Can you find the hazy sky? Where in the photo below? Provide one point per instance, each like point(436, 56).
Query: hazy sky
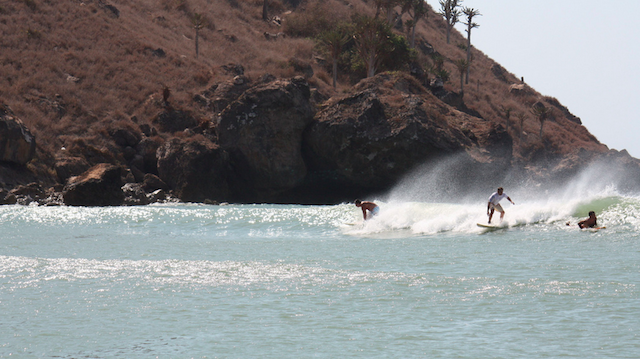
point(582, 52)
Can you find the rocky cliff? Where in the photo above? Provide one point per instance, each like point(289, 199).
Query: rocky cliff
point(125, 110)
point(271, 144)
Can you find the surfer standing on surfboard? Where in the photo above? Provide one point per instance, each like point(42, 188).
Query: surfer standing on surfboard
point(367, 206)
point(494, 203)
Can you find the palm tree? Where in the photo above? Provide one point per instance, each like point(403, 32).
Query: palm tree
point(417, 9)
point(437, 68)
point(470, 13)
point(372, 39)
point(462, 65)
point(333, 41)
point(541, 112)
point(379, 4)
point(388, 8)
point(449, 9)
point(198, 22)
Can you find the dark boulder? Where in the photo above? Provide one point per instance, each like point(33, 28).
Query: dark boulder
point(101, 185)
point(134, 194)
point(152, 182)
point(146, 150)
point(26, 194)
point(196, 170)
point(262, 132)
point(125, 137)
point(17, 144)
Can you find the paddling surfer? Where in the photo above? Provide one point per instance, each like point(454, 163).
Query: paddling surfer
point(367, 206)
point(590, 222)
point(494, 203)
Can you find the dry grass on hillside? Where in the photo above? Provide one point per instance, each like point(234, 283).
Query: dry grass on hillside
point(72, 69)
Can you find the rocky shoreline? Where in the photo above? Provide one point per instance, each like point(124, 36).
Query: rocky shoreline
point(277, 141)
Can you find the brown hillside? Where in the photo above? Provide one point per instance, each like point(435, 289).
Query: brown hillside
point(73, 70)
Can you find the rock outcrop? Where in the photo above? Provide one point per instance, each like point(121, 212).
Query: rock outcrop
point(196, 170)
point(101, 185)
point(17, 144)
point(271, 147)
point(219, 96)
point(28, 193)
point(520, 89)
point(368, 140)
point(262, 132)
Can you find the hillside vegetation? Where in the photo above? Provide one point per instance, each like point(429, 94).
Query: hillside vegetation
point(74, 71)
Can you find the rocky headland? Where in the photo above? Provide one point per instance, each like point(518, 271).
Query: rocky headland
point(272, 143)
point(262, 138)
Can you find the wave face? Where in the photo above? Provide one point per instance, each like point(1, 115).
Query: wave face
point(433, 200)
point(615, 212)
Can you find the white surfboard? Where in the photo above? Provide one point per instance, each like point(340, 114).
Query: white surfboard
point(490, 226)
point(594, 229)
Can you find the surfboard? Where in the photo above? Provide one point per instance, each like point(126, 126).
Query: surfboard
point(490, 226)
point(594, 229)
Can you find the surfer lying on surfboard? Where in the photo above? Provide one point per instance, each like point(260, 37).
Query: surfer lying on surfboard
point(591, 222)
point(494, 203)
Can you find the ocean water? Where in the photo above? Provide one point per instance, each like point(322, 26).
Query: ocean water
point(421, 280)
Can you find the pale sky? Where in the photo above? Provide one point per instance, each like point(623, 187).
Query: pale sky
point(582, 52)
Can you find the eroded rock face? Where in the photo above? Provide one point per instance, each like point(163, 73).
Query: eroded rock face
point(100, 185)
point(262, 132)
point(221, 95)
point(196, 170)
point(372, 138)
point(17, 144)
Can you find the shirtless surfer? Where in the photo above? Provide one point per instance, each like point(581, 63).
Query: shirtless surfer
point(367, 206)
point(590, 222)
point(494, 203)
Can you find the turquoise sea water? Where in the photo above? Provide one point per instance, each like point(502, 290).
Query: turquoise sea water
point(421, 280)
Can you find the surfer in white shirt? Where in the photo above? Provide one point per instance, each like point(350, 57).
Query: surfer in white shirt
point(494, 203)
